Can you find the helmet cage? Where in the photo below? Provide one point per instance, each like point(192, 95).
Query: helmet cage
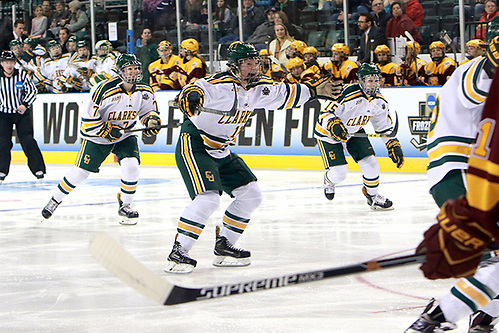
point(371, 90)
point(124, 61)
point(235, 70)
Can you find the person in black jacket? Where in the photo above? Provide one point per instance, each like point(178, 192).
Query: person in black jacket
point(372, 37)
point(17, 94)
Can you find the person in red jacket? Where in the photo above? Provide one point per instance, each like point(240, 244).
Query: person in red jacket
point(489, 13)
point(414, 10)
point(400, 23)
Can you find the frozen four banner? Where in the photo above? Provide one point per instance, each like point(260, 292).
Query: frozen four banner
point(269, 132)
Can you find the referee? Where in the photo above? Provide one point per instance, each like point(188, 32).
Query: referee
point(17, 94)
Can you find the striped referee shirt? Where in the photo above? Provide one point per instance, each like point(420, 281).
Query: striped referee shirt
point(16, 90)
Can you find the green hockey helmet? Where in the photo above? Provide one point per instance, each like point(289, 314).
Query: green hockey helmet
point(238, 52)
point(14, 43)
point(54, 49)
point(369, 76)
point(492, 29)
point(126, 60)
point(81, 44)
point(31, 42)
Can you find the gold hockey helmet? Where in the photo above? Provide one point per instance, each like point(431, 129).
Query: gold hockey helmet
point(190, 45)
point(382, 49)
point(295, 62)
point(340, 48)
point(298, 45)
point(311, 50)
point(478, 43)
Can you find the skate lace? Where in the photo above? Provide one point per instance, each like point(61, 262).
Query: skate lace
point(52, 205)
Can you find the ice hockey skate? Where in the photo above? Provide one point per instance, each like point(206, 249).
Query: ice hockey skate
point(2, 177)
point(178, 261)
point(39, 175)
point(377, 202)
point(49, 208)
point(329, 190)
point(427, 324)
point(481, 322)
point(227, 255)
point(128, 215)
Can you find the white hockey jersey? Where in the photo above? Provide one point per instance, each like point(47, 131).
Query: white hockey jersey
point(221, 90)
point(356, 110)
point(50, 71)
point(111, 103)
point(455, 118)
point(72, 70)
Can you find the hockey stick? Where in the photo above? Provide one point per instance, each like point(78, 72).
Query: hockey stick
point(392, 134)
point(127, 130)
point(110, 254)
point(408, 35)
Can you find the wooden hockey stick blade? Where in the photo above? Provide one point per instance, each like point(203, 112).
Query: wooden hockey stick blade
point(110, 254)
point(231, 112)
point(127, 130)
point(392, 134)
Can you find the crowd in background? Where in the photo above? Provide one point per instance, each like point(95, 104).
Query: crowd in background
point(54, 44)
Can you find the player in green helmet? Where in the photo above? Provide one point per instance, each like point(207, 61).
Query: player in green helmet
point(369, 76)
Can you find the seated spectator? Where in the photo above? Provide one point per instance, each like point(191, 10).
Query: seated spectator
point(340, 66)
point(371, 37)
point(166, 73)
point(381, 17)
point(282, 41)
point(192, 63)
point(297, 72)
point(387, 67)
point(60, 13)
point(407, 74)
point(78, 19)
point(355, 7)
point(192, 14)
point(39, 24)
point(438, 71)
point(295, 31)
point(474, 48)
point(292, 9)
point(47, 10)
point(471, 12)
point(264, 33)
point(253, 16)
point(64, 35)
point(489, 13)
point(400, 23)
point(414, 10)
point(165, 16)
point(146, 52)
point(222, 15)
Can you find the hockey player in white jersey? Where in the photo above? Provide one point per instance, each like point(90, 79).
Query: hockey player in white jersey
point(79, 70)
point(453, 129)
point(113, 105)
point(207, 164)
point(52, 67)
point(359, 104)
point(106, 59)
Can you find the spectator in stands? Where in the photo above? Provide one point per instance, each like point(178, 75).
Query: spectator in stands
point(253, 16)
point(60, 13)
point(39, 23)
point(387, 67)
point(47, 10)
point(165, 16)
point(381, 16)
point(489, 13)
point(400, 23)
point(193, 14)
point(414, 10)
point(64, 35)
point(264, 32)
point(438, 71)
point(294, 30)
point(405, 73)
point(340, 66)
point(371, 37)
point(469, 11)
point(282, 41)
point(222, 16)
point(146, 51)
point(291, 8)
point(355, 7)
point(166, 73)
point(474, 48)
point(78, 19)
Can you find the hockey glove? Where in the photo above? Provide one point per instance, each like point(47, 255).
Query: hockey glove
point(86, 72)
point(75, 82)
point(338, 130)
point(110, 132)
point(191, 98)
point(395, 152)
point(153, 123)
point(324, 88)
point(455, 245)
